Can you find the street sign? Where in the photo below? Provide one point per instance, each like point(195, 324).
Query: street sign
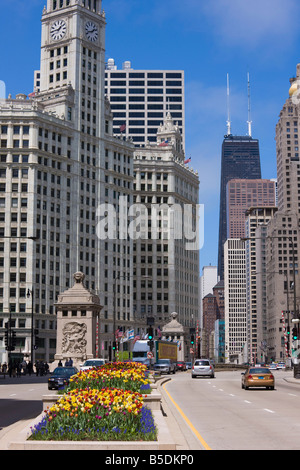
point(150, 355)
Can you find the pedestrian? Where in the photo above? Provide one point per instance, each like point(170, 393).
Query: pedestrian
point(29, 368)
point(24, 367)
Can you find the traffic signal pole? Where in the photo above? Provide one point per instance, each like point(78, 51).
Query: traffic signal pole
point(10, 338)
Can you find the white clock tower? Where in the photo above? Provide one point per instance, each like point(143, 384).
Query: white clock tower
point(59, 163)
point(73, 55)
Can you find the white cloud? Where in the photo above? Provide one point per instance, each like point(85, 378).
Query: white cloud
point(253, 22)
point(2, 90)
point(206, 110)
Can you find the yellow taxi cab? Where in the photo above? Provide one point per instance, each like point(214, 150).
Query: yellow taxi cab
point(258, 377)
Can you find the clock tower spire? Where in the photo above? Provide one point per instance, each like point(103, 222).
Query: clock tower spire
point(73, 55)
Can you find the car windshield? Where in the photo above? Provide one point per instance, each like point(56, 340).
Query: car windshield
point(64, 371)
point(202, 363)
point(163, 361)
point(93, 363)
point(259, 370)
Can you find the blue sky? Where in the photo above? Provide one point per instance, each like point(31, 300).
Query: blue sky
point(205, 38)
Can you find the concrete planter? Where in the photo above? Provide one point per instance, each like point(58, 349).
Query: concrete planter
point(152, 401)
point(164, 441)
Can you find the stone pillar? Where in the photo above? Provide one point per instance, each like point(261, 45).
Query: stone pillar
point(174, 331)
point(77, 311)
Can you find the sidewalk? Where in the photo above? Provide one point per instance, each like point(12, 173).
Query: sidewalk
point(14, 433)
point(292, 380)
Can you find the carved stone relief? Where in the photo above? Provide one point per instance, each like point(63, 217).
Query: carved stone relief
point(74, 341)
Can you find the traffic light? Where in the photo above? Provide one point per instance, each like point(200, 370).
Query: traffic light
point(7, 340)
point(114, 346)
point(192, 339)
point(13, 340)
point(295, 333)
point(150, 333)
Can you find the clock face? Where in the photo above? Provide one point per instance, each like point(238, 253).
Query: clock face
point(91, 31)
point(58, 30)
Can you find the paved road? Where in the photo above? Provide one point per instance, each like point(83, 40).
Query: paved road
point(219, 415)
point(20, 398)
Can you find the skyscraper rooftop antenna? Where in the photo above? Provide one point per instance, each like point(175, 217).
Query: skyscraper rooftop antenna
point(249, 109)
point(228, 107)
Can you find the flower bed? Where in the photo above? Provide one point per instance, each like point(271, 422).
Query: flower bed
point(123, 375)
point(91, 410)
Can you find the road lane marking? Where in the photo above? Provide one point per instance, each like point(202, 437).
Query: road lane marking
point(13, 395)
point(269, 411)
point(246, 401)
point(200, 438)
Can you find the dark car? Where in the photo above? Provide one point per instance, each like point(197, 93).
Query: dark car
point(61, 377)
point(181, 365)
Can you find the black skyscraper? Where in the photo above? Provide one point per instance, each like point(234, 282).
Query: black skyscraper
point(240, 159)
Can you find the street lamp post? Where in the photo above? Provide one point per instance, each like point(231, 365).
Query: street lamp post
point(117, 277)
point(30, 294)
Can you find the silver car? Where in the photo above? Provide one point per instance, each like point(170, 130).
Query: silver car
point(165, 366)
point(91, 363)
point(203, 368)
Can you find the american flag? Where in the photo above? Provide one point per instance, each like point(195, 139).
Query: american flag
point(136, 338)
point(187, 161)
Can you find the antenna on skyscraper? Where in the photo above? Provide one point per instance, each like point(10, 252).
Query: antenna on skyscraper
point(249, 109)
point(228, 107)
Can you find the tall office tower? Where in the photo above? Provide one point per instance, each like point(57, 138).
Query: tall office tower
point(257, 219)
point(235, 301)
point(213, 311)
point(59, 162)
point(243, 194)
point(140, 99)
point(283, 281)
point(240, 159)
point(166, 266)
point(208, 280)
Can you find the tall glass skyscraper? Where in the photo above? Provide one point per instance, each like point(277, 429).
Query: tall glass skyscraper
point(240, 159)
